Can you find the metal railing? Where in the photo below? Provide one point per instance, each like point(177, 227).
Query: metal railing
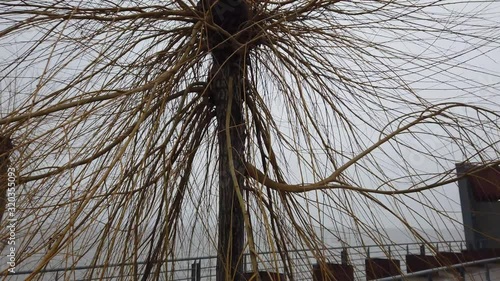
point(203, 268)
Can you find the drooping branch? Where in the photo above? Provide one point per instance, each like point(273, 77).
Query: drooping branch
point(196, 88)
point(333, 182)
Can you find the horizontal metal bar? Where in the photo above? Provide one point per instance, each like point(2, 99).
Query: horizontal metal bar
point(437, 269)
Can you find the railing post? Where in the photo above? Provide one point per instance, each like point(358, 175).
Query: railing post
point(344, 256)
point(422, 250)
point(487, 276)
point(198, 271)
point(195, 271)
point(461, 271)
point(245, 263)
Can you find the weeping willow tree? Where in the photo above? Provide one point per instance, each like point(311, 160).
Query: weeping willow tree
point(145, 131)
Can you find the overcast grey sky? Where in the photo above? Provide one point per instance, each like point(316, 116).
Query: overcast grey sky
point(430, 66)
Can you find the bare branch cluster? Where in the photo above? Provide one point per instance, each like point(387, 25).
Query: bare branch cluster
point(355, 111)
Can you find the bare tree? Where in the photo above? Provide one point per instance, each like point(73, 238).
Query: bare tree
point(131, 118)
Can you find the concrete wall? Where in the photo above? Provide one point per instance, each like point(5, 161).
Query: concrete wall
point(479, 198)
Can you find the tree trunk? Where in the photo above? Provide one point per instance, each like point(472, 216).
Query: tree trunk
point(227, 85)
